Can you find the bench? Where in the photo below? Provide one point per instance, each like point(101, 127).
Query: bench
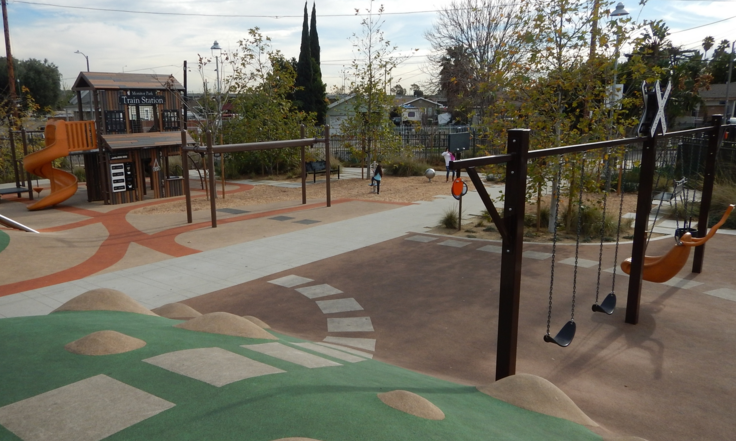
point(676, 192)
point(318, 167)
point(18, 190)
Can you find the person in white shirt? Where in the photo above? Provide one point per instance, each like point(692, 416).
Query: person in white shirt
point(448, 157)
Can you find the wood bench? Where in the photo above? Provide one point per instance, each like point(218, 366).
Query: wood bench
point(318, 167)
point(17, 190)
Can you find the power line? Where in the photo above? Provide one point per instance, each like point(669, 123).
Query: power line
point(702, 26)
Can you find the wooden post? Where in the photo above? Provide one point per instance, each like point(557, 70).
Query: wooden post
point(714, 143)
point(25, 153)
point(460, 213)
point(303, 168)
point(211, 167)
point(327, 159)
point(512, 248)
point(222, 169)
point(185, 175)
point(641, 225)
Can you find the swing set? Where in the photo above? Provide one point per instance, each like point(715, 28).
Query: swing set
point(639, 268)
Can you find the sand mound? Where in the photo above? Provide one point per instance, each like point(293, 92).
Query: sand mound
point(412, 404)
point(226, 323)
point(177, 311)
point(104, 299)
point(258, 322)
point(539, 395)
point(104, 343)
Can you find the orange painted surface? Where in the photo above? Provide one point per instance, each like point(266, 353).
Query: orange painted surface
point(58, 144)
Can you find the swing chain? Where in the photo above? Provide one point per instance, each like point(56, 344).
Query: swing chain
point(618, 229)
point(603, 222)
point(577, 236)
point(554, 242)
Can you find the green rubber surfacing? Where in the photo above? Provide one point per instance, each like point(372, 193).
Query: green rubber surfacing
point(4, 240)
point(334, 403)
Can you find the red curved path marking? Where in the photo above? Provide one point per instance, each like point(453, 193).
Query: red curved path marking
point(122, 234)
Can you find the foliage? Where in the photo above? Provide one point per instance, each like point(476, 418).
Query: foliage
point(260, 84)
point(449, 219)
point(304, 70)
point(80, 173)
point(719, 64)
point(318, 87)
point(41, 78)
point(590, 224)
point(405, 166)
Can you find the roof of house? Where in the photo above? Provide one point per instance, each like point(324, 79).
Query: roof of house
point(434, 103)
point(719, 91)
point(126, 81)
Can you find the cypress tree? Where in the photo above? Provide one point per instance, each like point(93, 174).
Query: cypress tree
point(318, 87)
point(303, 96)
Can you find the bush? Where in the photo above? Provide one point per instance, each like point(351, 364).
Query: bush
point(80, 174)
point(405, 167)
point(590, 227)
point(724, 194)
point(449, 219)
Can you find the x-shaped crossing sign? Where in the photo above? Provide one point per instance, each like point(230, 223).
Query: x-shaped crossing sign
point(654, 102)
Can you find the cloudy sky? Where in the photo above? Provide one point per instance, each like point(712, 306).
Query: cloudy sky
point(157, 35)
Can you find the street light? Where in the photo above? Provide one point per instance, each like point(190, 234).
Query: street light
point(216, 50)
point(620, 11)
point(726, 112)
point(86, 57)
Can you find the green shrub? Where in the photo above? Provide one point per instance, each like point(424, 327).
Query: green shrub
point(402, 166)
point(80, 174)
point(449, 219)
point(591, 219)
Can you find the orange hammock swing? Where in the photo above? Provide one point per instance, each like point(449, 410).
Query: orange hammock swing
point(660, 269)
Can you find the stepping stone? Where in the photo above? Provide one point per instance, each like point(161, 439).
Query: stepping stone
point(491, 249)
point(583, 263)
point(232, 211)
point(682, 283)
point(724, 293)
point(290, 281)
point(349, 324)
point(214, 366)
point(317, 291)
point(346, 349)
point(334, 353)
point(369, 344)
point(307, 222)
point(281, 218)
point(422, 239)
point(287, 353)
point(338, 305)
point(537, 255)
point(454, 243)
point(619, 271)
point(88, 410)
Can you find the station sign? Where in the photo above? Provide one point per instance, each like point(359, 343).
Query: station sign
point(140, 97)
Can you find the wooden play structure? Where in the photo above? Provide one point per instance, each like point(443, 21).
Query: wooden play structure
point(127, 146)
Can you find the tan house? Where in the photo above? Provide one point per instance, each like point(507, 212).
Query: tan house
point(715, 100)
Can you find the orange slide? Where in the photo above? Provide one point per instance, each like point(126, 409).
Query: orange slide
point(61, 138)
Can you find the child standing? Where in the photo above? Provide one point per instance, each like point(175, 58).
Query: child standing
point(377, 177)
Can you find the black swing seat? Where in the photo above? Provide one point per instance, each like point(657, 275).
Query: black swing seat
point(564, 337)
point(608, 305)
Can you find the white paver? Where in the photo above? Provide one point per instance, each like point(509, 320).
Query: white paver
point(536, 255)
point(290, 281)
point(491, 249)
point(454, 243)
point(334, 353)
point(583, 263)
point(88, 410)
point(368, 344)
point(349, 324)
point(214, 366)
point(292, 355)
point(421, 238)
point(724, 293)
point(317, 291)
point(338, 305)
point(682, 283)
point(346, 349)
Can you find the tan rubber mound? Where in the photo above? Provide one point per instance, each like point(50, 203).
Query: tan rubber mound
point(104, 343)
point(539, 395)
point(227, 324)
point(176, 311)
point(412, 404)
point(258, 322)
point(104, 299)
point(296, 439)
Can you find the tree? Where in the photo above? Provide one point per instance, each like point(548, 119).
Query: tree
point(304, 70)
point(475, 43)
point(720, 62)
point(398, 90)
point(318, 87)
point(708, 43)
point(41, 78)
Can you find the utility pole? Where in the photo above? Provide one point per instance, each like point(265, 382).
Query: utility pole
point(726, 113)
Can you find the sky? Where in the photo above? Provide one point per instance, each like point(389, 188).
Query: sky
point(151, 37)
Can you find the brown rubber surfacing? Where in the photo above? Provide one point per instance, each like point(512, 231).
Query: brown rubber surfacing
point(434, 310)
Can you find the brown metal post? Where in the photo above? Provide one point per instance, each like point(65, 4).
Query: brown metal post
point(327, 158)
point(512, 248)
point(641, 225)
point(13, 156)
point(25, 153)
point(185, 175)
point(303, 168)
point(213, 189)
point(104, 173)
point(714, 143)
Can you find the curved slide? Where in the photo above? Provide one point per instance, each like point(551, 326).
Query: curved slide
point(63, 184)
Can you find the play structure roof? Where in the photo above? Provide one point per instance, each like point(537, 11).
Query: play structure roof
point(126, 81)
point(144, 140)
